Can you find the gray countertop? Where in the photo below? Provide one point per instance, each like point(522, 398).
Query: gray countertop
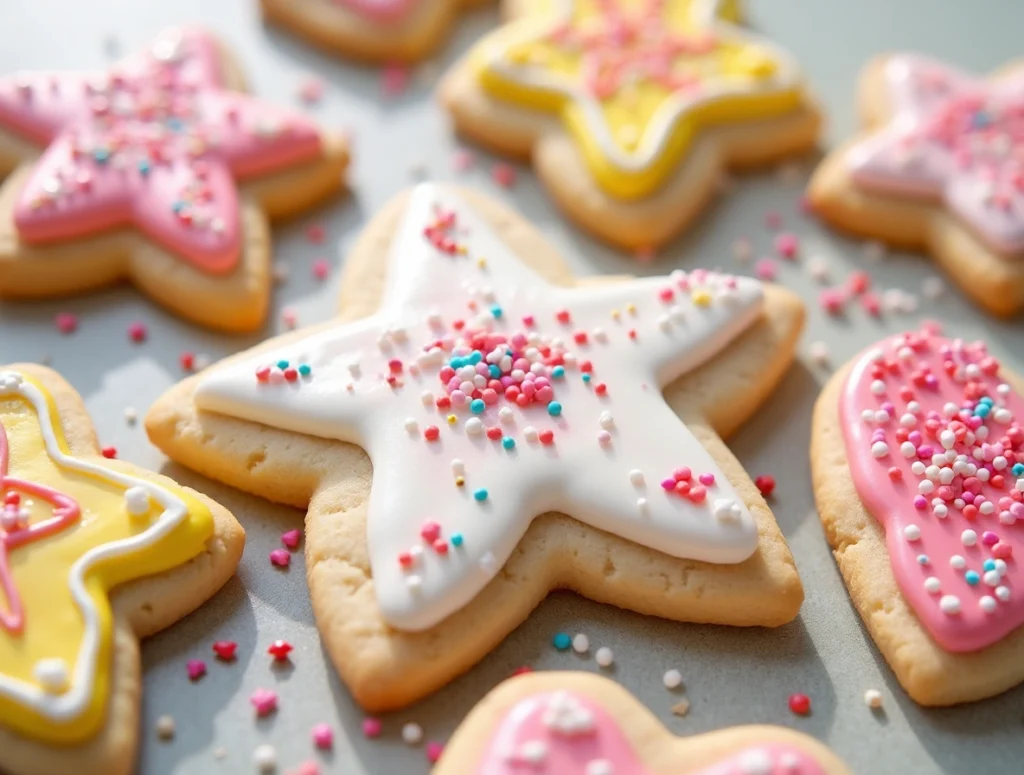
point(731, 676)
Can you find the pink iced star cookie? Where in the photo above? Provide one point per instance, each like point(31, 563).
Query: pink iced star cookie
point(402, 31)
point(157, 170)
point(940, 168)
point(526, 432)
point(918, 461)
point(582, 724)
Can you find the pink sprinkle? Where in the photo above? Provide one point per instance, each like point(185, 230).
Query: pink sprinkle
point(504, 175)
point(463, 159)
point(869, 301)
point(372, 727)
point(316, 234)
point(832, 300)
point(1002, 551)
point(196, 669)
point(434, 750)
point(308, 767)
point(920, 502)
point(264, 701)
point(321, 269)
point(668, 484)
point(291, 538)
point(67, 323)
point(787, 245)
point(707, 479)
point(290, 318)
point(394, 79)
point(281, 558)
point(137, 332)
point(989, 538)
point(766, 269)
point(323, 736)
point(311, 90)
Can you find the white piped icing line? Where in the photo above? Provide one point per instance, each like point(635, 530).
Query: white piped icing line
point(454, 489)
point(63, 695)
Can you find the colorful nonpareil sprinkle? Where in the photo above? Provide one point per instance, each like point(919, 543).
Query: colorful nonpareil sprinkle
point(800, 704)
point(291, 538)
point(372, 727)
point(67, 322)
point(225, 649)
point(323, 736)
point(264, 701)
point(280, 558)
point(280, 649)
point(196, 669)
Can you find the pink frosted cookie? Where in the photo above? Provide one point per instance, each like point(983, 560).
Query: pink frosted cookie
point(918, 459)
point(582, 724)
point(940, 167)
point(402, 31)
point(527, 431)
point(158, 170)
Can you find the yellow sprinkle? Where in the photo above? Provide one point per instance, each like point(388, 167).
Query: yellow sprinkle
point(756, 62)
point(452, 419)
point(520, 55)
point(629, 136)
point(616, 314)
point(459, 481)
point(701, 298)
point(481, 263)
point(460, 249)
point(631, 309)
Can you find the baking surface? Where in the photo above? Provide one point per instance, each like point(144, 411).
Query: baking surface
point(731, 676)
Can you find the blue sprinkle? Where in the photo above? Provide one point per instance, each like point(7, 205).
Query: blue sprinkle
point(508, 442)
point(101, 155)
point(586, 376)
point(282, 365)
point(457, 363)
point(178, 206)
point(922, 559)
point(980, 120)
point(475, 357)
point(989, 565)
point(305, 369)
point(480, 495)
point(497, 311)
point(562, 641)
point(144, 167)
point(554, 409)
point(494, 370)
point(456, 539)
point(982, 410)
point(558, 372)
point(1018, 469)
point(972, 577)
point(476, 406)
point(986, 400)
point(175, 124)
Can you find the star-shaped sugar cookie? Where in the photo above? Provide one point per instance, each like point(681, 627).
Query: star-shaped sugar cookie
point(582, 724)
point(941, 168)
point(385, 31)
point(630, 110)
point(73, 527)
point(493, 400)
point(159, 170)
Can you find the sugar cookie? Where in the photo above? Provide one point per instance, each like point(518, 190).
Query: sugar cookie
point(130, 173)
point(918, 462)
point(631, 109)
point(73, 526)
point(582, 724)
point(938, 169)
point(494, 396)
point(374, 30)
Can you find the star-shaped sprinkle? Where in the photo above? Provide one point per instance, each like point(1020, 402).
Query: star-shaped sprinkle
point(486, 397)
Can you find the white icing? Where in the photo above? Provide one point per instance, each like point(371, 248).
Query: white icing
point(413, 480)
point(657, 133)
point(66, 705)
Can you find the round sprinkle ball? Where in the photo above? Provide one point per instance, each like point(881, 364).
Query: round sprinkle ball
point(562, 641)
point(604, 657)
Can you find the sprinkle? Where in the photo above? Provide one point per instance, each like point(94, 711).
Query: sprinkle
point(554, 408)
point(311, 90)
point(67, 323)
point(818, 351)
point(912, 533)
point(787, 245)
point(279, 650)
point(480, 495)
point(949, 604)
point(800, 704)
point(372, 727)
point(280, 558)
point(681, 708)
point(196, 669)
point(742, 249)
point(636, 477)
point(873, 699)
point(321, 268)
point(265, 758)
point(225, 649)
point(264, 701)
point(766, 484)
point(580, 643)
point(165, 727)
point(412, 733)
point(291, 538)
point(109, 452)
point(433, 751)
point(562, 641)
point(766, 269)
point(323, 736)
point(504, 175)
point(604, 657)
point(672, 679)
point(316, 234)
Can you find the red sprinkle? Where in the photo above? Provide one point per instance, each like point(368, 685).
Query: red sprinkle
point(494, 434)
point(800, 704)
point(188, 361)
point(431, 433)
point(766, 484)
point(504, 175)
point(291, 538)
point(279, 650)
point(522, 670)
point(225, 649)
point(109, 452)
point(547, 437)
point(67, 323)
point(280, 558)
point(137, 332)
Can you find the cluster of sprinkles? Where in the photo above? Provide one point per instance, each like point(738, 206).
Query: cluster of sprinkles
point(966, 457)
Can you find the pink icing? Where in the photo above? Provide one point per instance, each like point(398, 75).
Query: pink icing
point(624, 46)
point(383, 11)
point(952, 137)
point(903, 403)
point(155, 141)
point(563, 733)
point(15, 530)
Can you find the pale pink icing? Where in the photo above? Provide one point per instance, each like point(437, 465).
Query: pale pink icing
point(564, 733)
point(383, 11)
point(15, 530)
point(952, 137)
point(936, 372)
point(155, 141)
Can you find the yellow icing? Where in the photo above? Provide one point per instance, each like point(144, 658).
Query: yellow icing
point(54, 627)
point(628, 114)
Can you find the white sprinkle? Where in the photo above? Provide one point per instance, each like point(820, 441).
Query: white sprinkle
point(912, 533)
point(932, 287)
point(957, 562)
point(52, 674)
point(969, 538)
point(505, 415)
point(580, 643)
point(411, 425)
point(474, 426)
point(818, 352)
point(605, 420)
point(908, 449)
point(530, 433)
point(414, 582)
point(873, 698)
point(604, 656)
point(265, 758)
point(992, 578)
point(1003, 593)
point(641, 504)
point(949, 604)
point(878, 387)
point(988, 604)
point(412, 733)
point(672, 679)
point(636, 477)
point(664, 323)
point(879, 449)
point(488, 562)
point(165, 727)
point(131, 415)
point(458, 467)
point(532, 751)
point(818, 269)
point(755, 762)
point(599, 767)
point(932, 585)
point(136, 501)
